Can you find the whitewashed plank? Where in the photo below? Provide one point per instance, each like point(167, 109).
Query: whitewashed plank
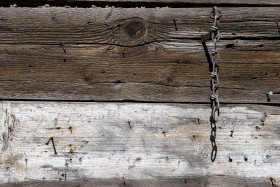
point(124, 142)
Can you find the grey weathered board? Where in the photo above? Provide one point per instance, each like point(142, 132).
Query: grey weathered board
point(144, 2)
point(139, 54)
point(137, 144)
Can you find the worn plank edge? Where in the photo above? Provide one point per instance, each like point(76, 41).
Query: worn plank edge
point(184, 182)
point(138, 3)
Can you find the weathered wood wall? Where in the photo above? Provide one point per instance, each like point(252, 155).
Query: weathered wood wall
point(130, 142)
point(149, 3)
point(142, 77)
point(136, 54)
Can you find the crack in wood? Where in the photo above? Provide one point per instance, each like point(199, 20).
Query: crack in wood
point(278, 26)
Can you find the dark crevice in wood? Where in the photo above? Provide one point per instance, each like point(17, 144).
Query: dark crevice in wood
point(158, 41)
point(277, 24)
point(140, 101)
point(252, 38)
point(125, 4)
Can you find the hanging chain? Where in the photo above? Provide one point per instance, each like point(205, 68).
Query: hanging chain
point(215, 105)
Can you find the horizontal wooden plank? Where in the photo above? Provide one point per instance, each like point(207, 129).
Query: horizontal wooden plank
point(140, 54)
point(193, 181)
point(130, 26)
point(137, 142)
point(173, 71)
point(132, 3)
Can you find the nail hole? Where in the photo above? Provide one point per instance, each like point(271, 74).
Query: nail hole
point(268, 99)
point(229, 159)
point(229, 45)
point(231, 134)
point(70, 128)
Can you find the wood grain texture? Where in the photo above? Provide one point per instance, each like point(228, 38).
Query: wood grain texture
point(131, 26)
point(215, 2)
point(136, 3)
point(114, 54)
point(204, 181)
point(126, 143)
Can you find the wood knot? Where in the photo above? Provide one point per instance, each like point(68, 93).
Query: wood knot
point(135, 29)
point(132, 32)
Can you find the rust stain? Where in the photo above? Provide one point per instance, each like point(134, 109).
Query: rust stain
point(13, 161)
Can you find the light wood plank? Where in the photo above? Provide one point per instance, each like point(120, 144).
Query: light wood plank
point(137, 142)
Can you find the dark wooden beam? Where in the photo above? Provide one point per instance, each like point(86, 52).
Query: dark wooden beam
point(136, 54)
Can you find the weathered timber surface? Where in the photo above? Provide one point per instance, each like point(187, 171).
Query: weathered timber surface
point(131, 26)
point(121, 144)
point(144, 2)
point(203, 181)
point(137, 54)
point(215, 2)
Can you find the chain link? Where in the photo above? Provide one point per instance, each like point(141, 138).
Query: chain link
point(215, 60)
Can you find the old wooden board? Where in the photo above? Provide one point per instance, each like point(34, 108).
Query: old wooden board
point(132, 26)
point(140, 54)
point(212, 181)
point(126, 143)
point(147, 3)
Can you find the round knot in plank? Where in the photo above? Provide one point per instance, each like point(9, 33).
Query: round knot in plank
point(135, 29)
point(132, 32)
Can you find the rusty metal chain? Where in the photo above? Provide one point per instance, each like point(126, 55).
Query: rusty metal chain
point(215, 60)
